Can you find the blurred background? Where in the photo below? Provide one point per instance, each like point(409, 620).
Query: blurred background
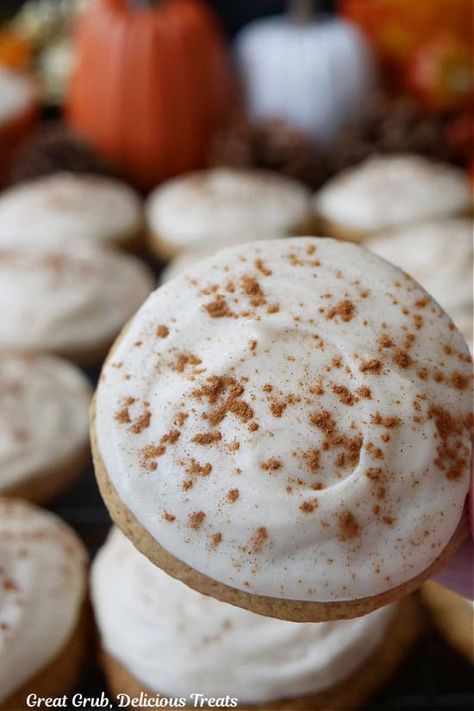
point(233, 13)
point(354, 77)
point(303, 88)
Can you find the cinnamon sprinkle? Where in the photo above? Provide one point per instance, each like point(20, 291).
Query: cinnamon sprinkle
point(206, 438)
point(402, 358)
point(141, 423)
point(195, 520)
point(185, 359)
point(218, 308)
point(309, 506)
point(371, 366)
point(344, 394)
point(277, 408)
point(216, 538)
point(459, 381)
point(262, 268)
point(385, 341)
point(272, 464)
point(348, 525)
point(377, 419)
point(345, 310)
point(196, 469)
point(123, 416)
point(258, 539)
point(233, 495)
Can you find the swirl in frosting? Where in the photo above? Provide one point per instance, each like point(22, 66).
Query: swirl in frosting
point(291, 418)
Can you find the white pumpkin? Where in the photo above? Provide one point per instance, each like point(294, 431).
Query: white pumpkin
point(316, 72)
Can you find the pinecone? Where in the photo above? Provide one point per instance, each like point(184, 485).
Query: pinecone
point(51, 148)
point(272, 145)
point(393, 126)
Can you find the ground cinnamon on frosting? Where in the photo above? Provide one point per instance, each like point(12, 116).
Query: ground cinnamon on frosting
point(345, 310)
point(294, 433)
point(348, 525)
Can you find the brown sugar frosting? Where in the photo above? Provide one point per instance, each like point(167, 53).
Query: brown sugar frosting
point(291, 418)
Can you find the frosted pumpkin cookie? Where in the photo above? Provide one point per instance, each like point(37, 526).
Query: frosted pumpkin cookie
point(160, 637)
point(388, 192)
point(44, 440)
point(285, 426)
point(440, 256)
point(70, 209)
point(223, 207)
point(453, 615)
point(43, 625)
point(69, 302)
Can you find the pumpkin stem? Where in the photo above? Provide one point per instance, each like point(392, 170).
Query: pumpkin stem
point(301, 11)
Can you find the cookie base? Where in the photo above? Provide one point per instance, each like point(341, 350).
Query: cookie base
point(44, 485)
point(280, 608)
point(332, 229)
point(62, 674)
point(131, 241)
point(452, 615)
point(348, 694)
point(327, 228)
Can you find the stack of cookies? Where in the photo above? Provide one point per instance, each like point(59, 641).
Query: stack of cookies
point(65, 293)
point(280, 432)
point(284, 430)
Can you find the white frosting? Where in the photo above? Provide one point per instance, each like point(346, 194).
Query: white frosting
point(177, 642)
point(68, 209)
point(61, 301)
point(324, 393)
point(42, 587)
point(17, 94)
point(390, 191)
point(223, 207)
point(43, 416)
point(440, 256)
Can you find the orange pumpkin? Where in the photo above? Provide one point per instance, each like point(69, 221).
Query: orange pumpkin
point(151, 86)
point(15, 51)
point(441, 74)
point(399, 28)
